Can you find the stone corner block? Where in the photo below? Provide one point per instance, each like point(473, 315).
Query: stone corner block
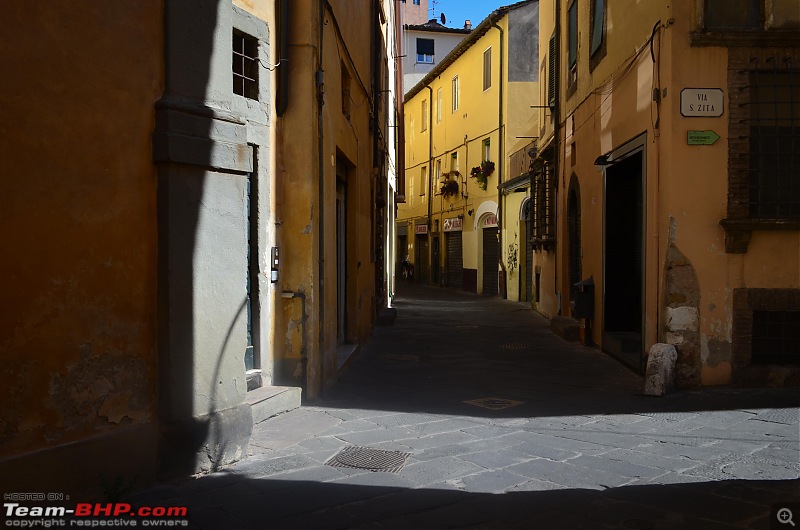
point(660, 375)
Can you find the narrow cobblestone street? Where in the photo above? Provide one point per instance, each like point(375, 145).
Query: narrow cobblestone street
point(577, 445)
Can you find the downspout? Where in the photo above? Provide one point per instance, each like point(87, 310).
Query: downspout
point(556, 147)
point(430, 176)
point(283, 75)
point(320, 82)
point(502, 158)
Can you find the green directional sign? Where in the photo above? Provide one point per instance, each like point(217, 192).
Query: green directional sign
point(701, 137)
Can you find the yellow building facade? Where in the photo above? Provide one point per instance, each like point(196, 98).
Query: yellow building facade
point(461, 122)
point(670, 178)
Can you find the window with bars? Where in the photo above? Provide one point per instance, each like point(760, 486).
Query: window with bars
point(774, 144)
point(543, 236)
point(776, 337)
point(245, 65)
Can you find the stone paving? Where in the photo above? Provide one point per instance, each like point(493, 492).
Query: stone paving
point(580, 447)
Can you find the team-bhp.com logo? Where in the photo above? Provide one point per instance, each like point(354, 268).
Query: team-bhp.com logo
point(93, 515)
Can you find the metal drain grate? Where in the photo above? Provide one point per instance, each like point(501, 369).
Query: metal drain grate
point(401, 357)
point(514, 346)
point(494, 403)
point(369, 459)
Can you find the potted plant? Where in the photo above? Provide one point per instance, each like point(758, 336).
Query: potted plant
point(481, 173)
point(449, 185)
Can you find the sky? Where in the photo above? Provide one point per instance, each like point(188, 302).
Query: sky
point(457, 11)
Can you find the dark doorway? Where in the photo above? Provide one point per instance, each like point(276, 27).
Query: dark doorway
point(455, 260)
point(574, 238)
point(527, 233)
point(491, 256)
point(421, 260)
point(624, 261)
point(435, 260)
point(341, 252)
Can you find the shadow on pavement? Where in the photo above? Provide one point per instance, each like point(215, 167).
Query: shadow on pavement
point(229, 501)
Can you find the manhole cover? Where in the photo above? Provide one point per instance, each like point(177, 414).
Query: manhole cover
point(401, 357)
point(369, 459)
point(494, 403)
point(514, 346)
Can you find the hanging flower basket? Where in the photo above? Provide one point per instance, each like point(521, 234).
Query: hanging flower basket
point(449, 188)
point(481, 173)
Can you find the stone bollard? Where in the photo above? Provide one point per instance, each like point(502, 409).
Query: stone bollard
point(660, 376)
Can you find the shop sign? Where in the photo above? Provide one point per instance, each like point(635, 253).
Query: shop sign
point(453, 224)
point(489, 221)
point(421, 229)
point(701, 102)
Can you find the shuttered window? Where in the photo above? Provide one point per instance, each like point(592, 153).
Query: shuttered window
point(487, 69)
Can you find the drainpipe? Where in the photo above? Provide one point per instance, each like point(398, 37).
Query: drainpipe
point(320, 81)
point(502, 156)
point(283, 74)
point(430, 177)
point(303, 344)
point(556, 146)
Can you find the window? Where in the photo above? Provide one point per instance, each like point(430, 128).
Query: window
point(438, 169)
point(346, 81)
point(424, 114)
point(552, 66)
point(597, 33)
point(423, 184)
point(487, 149)
point(455, 93)
point(416, 2)
point(572, 34)
point(425, 51)
point(732, 14)
point(439, 105)
point(544, 208)
point(753, 22)
point(245, 65)
point(454, 161)
point(763, 144)
point(487, 69)
point(776, 337)
point(775, 144)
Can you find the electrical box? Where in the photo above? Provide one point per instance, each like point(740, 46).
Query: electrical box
point(275, 263)
point(582, 304)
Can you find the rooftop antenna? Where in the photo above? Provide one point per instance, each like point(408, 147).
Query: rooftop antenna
point(433, 8)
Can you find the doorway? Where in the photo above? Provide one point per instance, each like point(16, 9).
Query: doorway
point(435, 260)
point(455, 260)
point(421, 260)
point(491, 257)
point(623, 293)
point(341, 258)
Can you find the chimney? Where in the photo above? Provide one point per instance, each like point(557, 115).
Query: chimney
point(467, 24)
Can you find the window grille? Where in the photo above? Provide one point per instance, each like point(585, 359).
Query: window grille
point(245, 65)
point(774, 166)
point(544, 209)
point(776, 337)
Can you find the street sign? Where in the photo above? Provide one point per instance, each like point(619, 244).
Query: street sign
point(701, 102)
point(701, 137)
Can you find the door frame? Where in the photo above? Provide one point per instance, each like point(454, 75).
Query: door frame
point(627, 150)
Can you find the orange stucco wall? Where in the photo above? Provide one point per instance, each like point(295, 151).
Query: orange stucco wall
point(78, 221)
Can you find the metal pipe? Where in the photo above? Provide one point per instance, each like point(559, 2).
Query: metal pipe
point(321, 193)
point(283, 74)
point(502, 159)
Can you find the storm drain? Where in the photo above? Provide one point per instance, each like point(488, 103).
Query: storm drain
point(369, 459)
point(514, 346)
point(401, 357)
point(494, 403)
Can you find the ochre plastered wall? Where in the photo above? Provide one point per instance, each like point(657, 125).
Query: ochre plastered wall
point(78, 229)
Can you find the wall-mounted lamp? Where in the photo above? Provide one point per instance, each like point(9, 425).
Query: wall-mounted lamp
point(601, 161)
point(470, 212)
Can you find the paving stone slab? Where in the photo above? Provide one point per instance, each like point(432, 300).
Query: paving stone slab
point(496, 459)
point(436, 440)
point(568, 475)
point(495, 481)
point(255, 467)
point(440, 469)
point(611, 463)
point(542, 451)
